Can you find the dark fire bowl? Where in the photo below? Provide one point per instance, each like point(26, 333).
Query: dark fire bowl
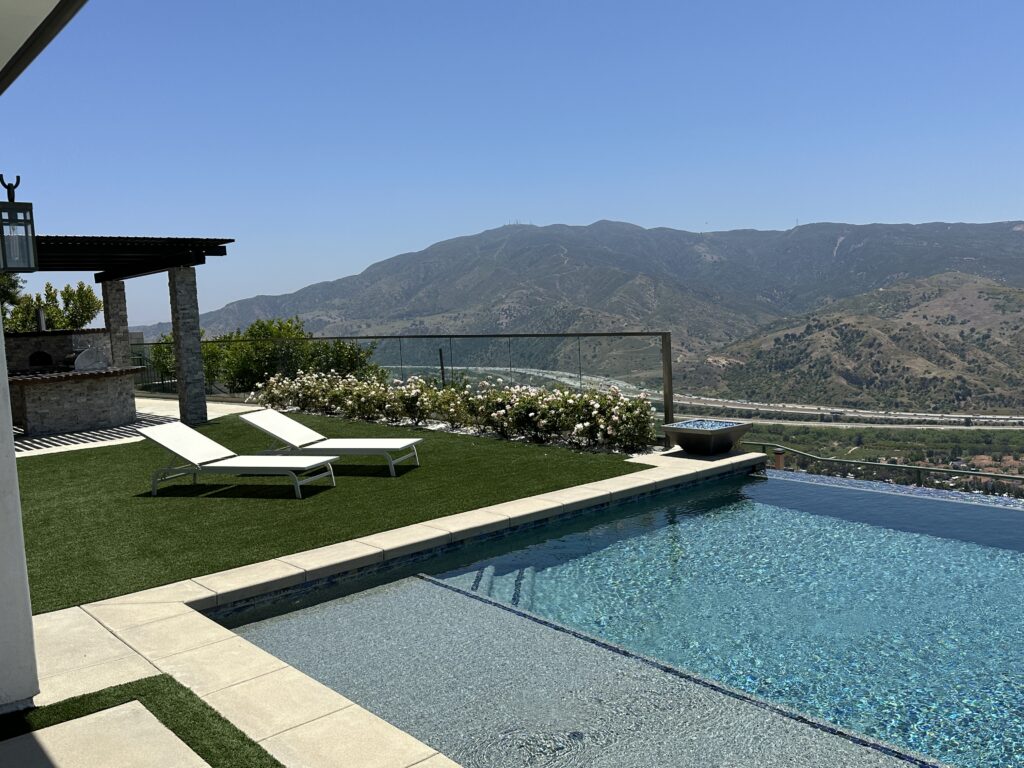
point(705, 437)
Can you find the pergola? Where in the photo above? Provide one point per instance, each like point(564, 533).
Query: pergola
point(116, 259)
point(113, 259)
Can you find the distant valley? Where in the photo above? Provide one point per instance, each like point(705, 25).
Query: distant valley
point(891, 316)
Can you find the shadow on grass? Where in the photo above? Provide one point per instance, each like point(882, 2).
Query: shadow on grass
point(370, 470)
point(277, 491)
point(231, 491)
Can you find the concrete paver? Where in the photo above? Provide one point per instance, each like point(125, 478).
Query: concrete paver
point(127, 736)
point(624, 486)
point(467, 524)
point(212, 667)
point(174, 635)
point(275, 702)
point(250, 580)
point(350, 737)
point(406, 540)
point(437, 761)
point(334, 558)
point(71, 639)
point(520, 511)
point(580, 497)
point(116, 616)
point(76, 682)
point(187, 591)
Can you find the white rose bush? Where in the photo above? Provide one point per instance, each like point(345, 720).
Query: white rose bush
point(582, 419)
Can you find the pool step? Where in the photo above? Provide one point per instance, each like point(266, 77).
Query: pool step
point(522, 592)
point(484, 581)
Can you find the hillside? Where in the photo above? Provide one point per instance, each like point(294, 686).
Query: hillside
point(812, 294)
point(946, 341)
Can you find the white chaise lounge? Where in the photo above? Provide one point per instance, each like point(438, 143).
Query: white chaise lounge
point(301, 440)
point(205, 456)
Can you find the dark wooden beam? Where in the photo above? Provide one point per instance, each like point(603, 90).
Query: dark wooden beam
point(117, 258)
point(151, 267)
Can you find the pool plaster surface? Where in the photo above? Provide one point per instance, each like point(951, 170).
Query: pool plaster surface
point(490, 687)
point(124, 638)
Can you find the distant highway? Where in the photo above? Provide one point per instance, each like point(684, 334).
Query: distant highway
point(908, 419)
point(839, 412)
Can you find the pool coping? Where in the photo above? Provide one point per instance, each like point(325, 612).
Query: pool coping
point(296, 719)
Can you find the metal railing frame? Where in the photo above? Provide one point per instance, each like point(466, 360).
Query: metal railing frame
point(665, 337)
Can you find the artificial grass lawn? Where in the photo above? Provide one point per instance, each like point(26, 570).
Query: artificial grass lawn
point(93, 531)
point(208, 734)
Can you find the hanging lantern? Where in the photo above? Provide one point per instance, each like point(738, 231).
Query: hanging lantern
point(17, 233)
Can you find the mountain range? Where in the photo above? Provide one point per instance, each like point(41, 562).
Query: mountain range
point(889, 315)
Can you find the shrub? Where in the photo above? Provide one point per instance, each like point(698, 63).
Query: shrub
point(449, 404)
point(582, 419)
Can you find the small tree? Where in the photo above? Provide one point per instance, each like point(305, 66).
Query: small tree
point(79, 306)
point(10, 291)
point(161, 355)
point(270, 346)
point(73, 308)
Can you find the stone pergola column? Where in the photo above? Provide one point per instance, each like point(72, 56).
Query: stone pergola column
point(115, 316)
point(188, 353)
point(19, 678)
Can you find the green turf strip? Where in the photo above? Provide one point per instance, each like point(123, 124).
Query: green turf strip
point(93, 531)
point(208, 734)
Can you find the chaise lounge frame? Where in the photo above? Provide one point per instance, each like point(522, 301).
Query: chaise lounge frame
point(205, 456)
point(300, 440)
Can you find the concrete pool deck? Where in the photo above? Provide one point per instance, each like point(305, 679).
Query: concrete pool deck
point(298, 720)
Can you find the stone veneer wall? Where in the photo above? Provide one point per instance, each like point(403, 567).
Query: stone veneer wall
point(188, 352)
point(57, 344)
point(115, 314)
point(73, 404)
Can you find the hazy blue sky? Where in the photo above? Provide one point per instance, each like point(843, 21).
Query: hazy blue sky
point(324, 136)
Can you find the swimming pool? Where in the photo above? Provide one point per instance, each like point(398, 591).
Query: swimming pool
point(891, 615)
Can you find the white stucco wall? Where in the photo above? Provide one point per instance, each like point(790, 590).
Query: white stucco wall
point(19, 680)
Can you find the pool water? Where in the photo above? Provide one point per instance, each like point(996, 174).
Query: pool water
point(896, 616)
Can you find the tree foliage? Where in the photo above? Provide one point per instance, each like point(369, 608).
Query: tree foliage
point(266, 348)
point(70, 309)
point(10, 291)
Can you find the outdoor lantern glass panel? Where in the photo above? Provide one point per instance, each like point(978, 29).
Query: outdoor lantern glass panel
point(17, 238)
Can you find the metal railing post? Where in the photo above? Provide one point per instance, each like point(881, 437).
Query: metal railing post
point(579, 363)
point(780, 458)
point(666, 377)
